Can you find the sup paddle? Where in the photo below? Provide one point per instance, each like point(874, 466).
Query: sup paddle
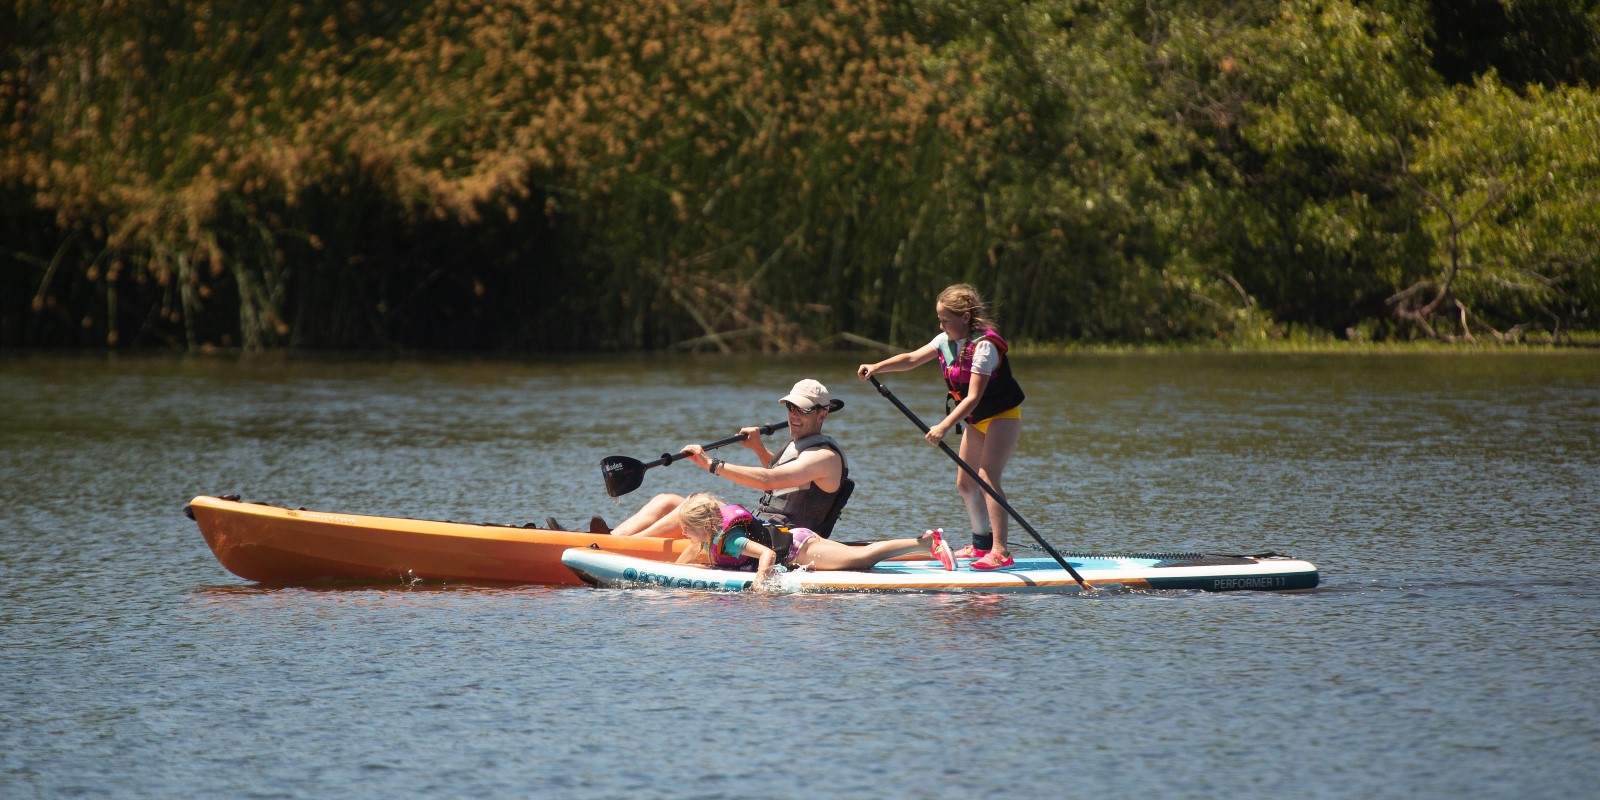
point(624, 474)
point(884, 390)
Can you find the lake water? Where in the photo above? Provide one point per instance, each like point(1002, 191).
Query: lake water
point(1452, 651)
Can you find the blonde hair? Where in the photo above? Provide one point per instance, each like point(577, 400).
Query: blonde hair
point(963, 298)
point(701, 512)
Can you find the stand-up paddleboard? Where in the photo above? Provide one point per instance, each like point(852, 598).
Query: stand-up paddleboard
point(1192, 571)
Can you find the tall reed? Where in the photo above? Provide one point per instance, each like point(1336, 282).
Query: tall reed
point(561, 174)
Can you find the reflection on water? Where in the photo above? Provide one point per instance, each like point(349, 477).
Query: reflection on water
point(342, 589)
point(1449, 500)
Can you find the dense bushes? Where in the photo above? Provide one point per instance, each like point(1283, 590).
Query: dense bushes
point(562, 174)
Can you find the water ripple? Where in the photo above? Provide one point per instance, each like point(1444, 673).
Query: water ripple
point(1450, 502)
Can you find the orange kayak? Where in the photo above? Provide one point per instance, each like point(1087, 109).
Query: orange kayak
point(268, 544)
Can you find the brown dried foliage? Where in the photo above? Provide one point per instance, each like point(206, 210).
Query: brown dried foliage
point(183, 139)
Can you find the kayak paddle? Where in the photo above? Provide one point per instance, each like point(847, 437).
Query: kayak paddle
point(624, 474)
point(884, 390)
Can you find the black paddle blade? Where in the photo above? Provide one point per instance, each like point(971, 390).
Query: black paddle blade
point(622, 474)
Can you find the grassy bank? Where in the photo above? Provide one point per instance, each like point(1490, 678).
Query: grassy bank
point(764, 176)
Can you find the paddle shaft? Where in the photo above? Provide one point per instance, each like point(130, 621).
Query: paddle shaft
point(668, 458)
point(912, 415)
point(766, 430)
point(623, 474)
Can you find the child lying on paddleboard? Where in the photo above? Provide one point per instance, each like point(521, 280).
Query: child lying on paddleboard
point(729, 537)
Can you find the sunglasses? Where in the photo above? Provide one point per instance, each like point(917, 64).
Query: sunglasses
point(799, 410)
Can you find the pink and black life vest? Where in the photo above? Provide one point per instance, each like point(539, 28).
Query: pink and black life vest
point(736, 521)
point(1002, 392)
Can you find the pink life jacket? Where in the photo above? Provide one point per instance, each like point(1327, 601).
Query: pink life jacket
point(737, 521)
point(1002, 392)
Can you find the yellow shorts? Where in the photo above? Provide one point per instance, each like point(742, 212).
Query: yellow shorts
point(982, 425)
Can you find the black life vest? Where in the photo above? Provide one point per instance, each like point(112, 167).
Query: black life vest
point(1002, 393)
point(808, 506)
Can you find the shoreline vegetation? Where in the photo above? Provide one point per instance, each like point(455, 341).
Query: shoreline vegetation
point(783, 178)
point(1580, 346)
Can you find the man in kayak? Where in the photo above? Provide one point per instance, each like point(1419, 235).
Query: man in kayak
point(807, 483)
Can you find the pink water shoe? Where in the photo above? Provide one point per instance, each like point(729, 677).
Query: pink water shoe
point(993, 560)
point(971, 552)
point(941, 549)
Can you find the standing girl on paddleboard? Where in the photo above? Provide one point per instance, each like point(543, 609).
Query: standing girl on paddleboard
point(730, 537)
point(973, 358)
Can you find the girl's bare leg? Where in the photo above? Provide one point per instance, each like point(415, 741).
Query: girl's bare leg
point(973, 445)
point(659, 517)
point(826, 554)
point(999, 444)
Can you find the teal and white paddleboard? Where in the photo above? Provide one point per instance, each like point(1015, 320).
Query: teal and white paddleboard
point(1191, 571)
